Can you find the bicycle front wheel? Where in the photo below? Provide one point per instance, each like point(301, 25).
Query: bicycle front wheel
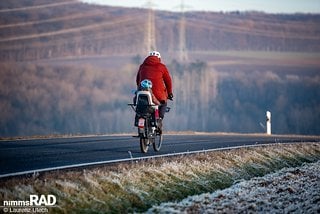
point(157, 142)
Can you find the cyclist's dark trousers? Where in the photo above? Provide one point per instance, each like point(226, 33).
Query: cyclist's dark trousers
point(162, 109)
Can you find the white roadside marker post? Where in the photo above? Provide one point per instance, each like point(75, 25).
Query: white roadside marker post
point(268, 121)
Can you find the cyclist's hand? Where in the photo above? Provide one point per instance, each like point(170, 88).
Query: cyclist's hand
point(170, 96)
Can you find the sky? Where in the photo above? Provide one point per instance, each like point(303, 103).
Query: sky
point(269, 6)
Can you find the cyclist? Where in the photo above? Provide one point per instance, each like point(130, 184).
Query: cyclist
point(153, 70)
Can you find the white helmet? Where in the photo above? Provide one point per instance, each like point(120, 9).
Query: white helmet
point(155, 53)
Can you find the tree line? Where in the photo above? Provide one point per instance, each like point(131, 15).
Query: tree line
point(44, 99)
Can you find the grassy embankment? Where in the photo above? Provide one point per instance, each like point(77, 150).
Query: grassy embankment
point(137, 186)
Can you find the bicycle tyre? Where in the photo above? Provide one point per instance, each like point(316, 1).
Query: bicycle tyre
point(157, 142)
point(144, 144)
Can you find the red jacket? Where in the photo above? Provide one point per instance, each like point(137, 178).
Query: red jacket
point(158, 73)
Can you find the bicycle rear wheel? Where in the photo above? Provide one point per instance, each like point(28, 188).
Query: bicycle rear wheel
point(144, 144)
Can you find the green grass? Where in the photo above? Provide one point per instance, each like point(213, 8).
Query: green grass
point(135, 187)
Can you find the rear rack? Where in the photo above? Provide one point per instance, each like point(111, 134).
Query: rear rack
point(133, 106)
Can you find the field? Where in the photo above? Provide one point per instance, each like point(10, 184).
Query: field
point(138, 186)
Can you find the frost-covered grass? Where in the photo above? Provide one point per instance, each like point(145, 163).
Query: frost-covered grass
point(135, 187)
point(290, 190)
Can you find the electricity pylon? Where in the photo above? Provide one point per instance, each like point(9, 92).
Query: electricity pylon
point(150, 35)
point(183, 52)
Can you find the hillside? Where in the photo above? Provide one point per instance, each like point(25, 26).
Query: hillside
point(45, 29)
point(69, 68)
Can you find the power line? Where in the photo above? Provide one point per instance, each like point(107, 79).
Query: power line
point(39, 6)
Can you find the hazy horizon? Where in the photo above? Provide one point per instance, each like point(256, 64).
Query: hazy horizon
point(272, 6)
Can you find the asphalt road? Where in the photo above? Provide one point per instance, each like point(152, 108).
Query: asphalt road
point(25, 155)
